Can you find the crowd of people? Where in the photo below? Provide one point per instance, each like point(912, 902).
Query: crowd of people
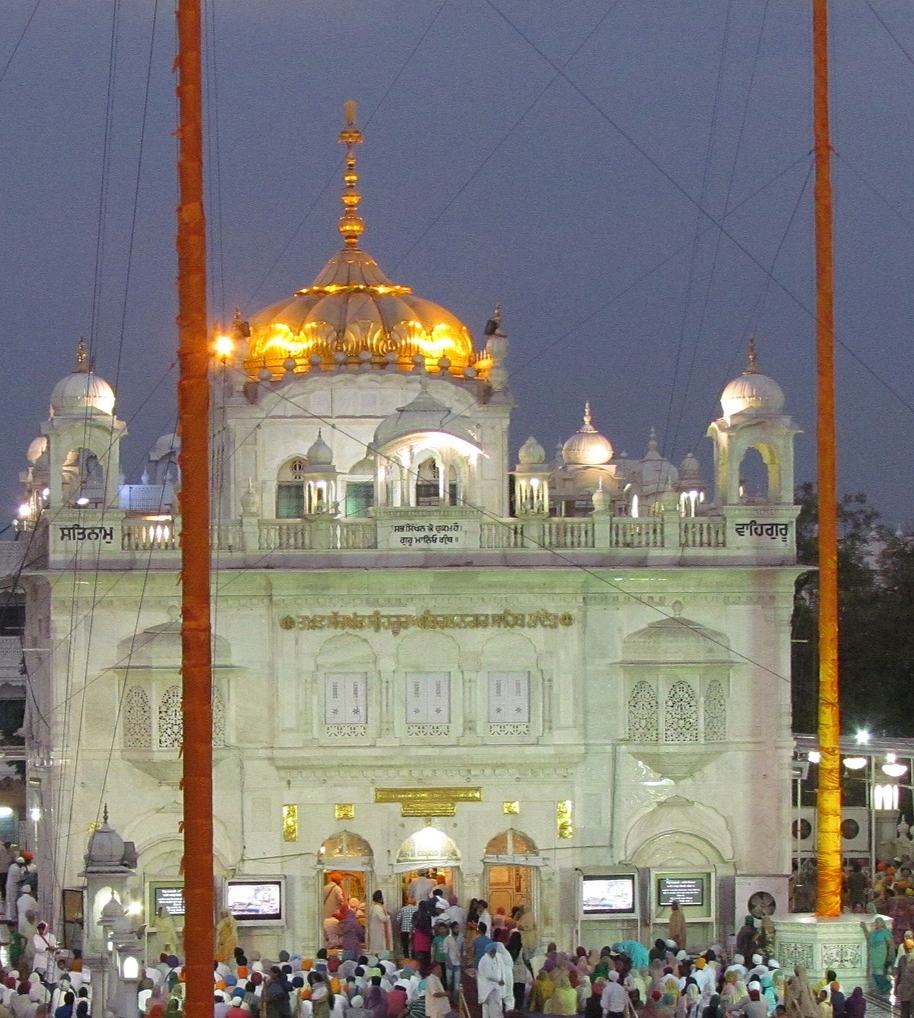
point(433, 958)
point(39, 980)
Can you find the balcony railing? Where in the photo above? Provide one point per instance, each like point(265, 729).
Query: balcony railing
point(742, 534)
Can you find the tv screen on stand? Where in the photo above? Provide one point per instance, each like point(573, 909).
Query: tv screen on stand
point(169, 898)
point(685, 890)
point(257, 901)
point(607, 896)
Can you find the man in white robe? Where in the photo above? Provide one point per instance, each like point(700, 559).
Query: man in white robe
point(489, 983)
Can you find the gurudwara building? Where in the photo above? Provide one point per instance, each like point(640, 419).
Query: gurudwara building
point(558, 682)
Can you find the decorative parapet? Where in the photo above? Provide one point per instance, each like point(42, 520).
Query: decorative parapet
point(739, 535)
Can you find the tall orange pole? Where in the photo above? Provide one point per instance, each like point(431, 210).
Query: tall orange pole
point(828, 896)
point(193, 423)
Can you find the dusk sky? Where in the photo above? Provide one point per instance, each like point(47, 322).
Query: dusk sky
point(630, 180)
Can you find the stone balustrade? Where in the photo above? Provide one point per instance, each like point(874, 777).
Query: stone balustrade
point(735, 535)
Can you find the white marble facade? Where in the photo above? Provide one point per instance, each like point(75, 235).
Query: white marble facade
point(417, 660)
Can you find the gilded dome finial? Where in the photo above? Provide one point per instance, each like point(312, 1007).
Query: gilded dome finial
point(351, 224)
point(752, 368)
point(588, 421)
point(82, 357)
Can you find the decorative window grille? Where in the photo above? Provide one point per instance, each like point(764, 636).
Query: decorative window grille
point(171, 719)
point(643, 714)
point(715, 713)
point(681, 714)
point(137, 719)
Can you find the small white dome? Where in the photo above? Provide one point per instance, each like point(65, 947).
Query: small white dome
point(689, 467)
point(81, 392)
point(165, 445)
point(320, 454)
point(587, 447)
point(654, 473)
point(752, 391)
point(106, 847)
point(38, 447)
point(531, 452)
point(422, 414)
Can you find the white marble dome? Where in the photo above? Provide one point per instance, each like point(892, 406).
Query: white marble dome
point(38, 447)
point(106, 847)
point(319, 454)
point(81, 392)
point(752, 391)
point(422, 414)
point(531, 452)
point(587, 447)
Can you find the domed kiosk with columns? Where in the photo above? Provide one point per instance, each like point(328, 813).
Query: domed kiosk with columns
point(430, 654)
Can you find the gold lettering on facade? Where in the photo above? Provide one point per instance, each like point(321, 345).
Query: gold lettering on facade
point(511, 808)
point(376, 622)
point(344, 811)
point(428, 802)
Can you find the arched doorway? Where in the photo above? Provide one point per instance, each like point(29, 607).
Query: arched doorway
point(433, 852)
point(345, 863)
point(512, 863)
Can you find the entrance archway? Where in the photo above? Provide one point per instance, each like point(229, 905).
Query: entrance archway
point(345, 863)
point(512, 863)
point(434, 852)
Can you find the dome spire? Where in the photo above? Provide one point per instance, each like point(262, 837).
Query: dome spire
point(82, 357)
point(752, 368)
point(351, 224)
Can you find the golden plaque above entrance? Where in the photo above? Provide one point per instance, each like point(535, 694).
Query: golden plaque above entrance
point(428, 802)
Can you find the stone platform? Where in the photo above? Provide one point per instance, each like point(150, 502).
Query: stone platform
point(820, 944)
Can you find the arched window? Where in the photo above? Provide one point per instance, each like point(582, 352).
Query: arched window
point(681, 714)
point(428, 483)
point(715, 713)
point(137, 719)
point(171, 719)
point(643, 714)
point(290, 490)
point(171, 722)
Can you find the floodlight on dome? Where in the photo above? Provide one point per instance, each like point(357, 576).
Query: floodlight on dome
point(25, 511)
point(82, 500)
point(892, 767)
point(862, 737)
point(855, 763)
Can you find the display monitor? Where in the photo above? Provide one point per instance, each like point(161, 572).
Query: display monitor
point(685, 890)
point(169, 897)
point(609, 895)
point(256, 900)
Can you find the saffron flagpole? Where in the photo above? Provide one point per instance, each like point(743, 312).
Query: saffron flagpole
point(193, 424)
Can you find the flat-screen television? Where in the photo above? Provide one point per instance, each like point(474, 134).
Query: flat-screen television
point(685, 890)
point(610, 895)
point(169, 897)
point(258, 901)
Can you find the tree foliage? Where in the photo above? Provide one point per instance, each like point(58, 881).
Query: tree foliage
point(875, 620)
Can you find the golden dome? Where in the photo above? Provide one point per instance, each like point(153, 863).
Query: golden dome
point(352, 309)
point(352, 314)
